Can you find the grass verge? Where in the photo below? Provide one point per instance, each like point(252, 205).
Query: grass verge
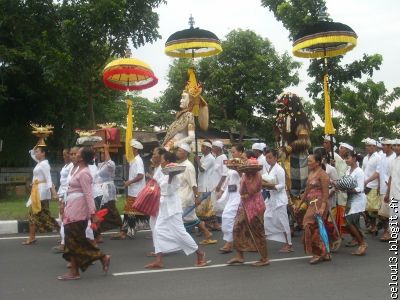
point(14, 208)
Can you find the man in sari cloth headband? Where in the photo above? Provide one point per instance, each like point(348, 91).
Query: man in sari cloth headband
point(188, 193)
point(370, 168)
point(386, 161)
point(135, 184)
point(393, 192)
point(169, 232)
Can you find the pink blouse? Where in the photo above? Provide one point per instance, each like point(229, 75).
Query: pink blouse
point(80, 203)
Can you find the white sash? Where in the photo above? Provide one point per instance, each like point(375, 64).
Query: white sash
point(73, 196)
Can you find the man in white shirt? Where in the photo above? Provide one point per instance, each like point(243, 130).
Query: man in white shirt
point(206, 169)
point(206, 183)
point(188, 193)
point(258, 149)
point(135, 183)
point(219, 177)
point(384, 173)
point(370, 167)
point(341, 168)
point(392, 196)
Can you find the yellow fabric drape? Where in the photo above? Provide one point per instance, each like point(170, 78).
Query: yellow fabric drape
point(35, 196)
point(329, 129)
point(129, 132)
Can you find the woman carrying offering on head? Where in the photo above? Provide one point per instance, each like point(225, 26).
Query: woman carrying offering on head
point(42, 191)
point(248, 229)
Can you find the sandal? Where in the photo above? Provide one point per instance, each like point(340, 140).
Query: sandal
point(327, 257)
point(208, 242)
point(286, 249)
point(385, 237)
point(362, 250)
point(235, 260)
point(106, 263)
point(224, 250)
point(202, 262)
point(29, 242)
point(68, 277)
point(58, 249)
point(352, 243)
point(118, 237)
point(315, 260)
point(261, 263)
point(154, 265)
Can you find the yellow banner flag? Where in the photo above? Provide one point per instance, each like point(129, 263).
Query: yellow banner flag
point(329, 129)
point(129, 132)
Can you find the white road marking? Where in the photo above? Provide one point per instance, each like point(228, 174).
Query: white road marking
point(206, 267)
point(38, 237)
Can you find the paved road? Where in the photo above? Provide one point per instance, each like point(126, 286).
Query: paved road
point(29, 272)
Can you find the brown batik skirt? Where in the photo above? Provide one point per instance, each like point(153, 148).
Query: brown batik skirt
point(112, 219)
point(78, 247)
point(249, 236)
point(313, 244)
point(43, 221)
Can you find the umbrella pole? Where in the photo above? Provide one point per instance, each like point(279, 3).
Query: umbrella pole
point(326, 96)
point(196, 150)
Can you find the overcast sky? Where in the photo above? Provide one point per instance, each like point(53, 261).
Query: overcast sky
point(377, 24)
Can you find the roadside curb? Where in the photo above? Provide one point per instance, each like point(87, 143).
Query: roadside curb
point(19, 226)
point(14, 226)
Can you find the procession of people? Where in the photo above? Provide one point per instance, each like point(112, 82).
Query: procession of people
point(243, 193)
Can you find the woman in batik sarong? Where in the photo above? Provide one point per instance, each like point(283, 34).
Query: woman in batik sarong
point(317, 188)
point(42, 190)
point(248, 229)
point(105, 179)
point(79, 209)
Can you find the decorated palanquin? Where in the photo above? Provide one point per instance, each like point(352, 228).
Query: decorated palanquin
point(292, 133)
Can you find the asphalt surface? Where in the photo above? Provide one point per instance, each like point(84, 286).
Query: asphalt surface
point(29, 272)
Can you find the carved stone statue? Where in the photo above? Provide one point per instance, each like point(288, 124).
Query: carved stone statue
point(192, 105)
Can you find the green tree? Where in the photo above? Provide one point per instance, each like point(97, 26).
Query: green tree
point(294, 15)
point(242, 82)
point(51, 58)
point(364, 111)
